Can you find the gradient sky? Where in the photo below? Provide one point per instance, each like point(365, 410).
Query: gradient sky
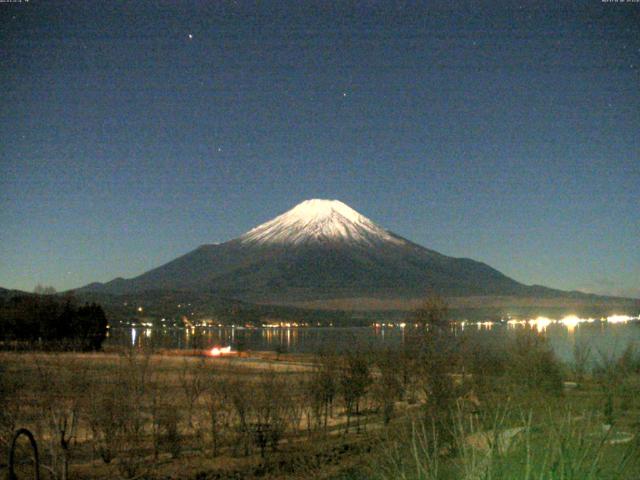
point(508, 132)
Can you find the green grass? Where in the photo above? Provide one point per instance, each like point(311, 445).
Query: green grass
point(557, 440)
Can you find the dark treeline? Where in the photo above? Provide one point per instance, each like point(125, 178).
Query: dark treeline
point(51, 322)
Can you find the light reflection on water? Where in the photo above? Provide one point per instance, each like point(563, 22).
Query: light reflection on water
point(609, 338)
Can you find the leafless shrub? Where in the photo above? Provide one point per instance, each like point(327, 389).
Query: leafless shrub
point(115, 410)
point(485, 363)
point(106, 416)
point(60, 385)
point(629, 361)
point(272, 411)
point(241, 398)
point(10, 408)
point(321, 388)
point(531, 364)
point(193, 380)
point(407, 358)
point(165, 419)
point(169, 437)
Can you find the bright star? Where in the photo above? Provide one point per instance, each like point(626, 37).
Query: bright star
point(190, 36)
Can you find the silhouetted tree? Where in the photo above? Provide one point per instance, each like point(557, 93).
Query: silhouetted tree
point(44, 290)
point(54, 323)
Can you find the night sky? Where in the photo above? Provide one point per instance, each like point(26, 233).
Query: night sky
point(507, 132)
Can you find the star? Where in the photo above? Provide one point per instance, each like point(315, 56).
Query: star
point(190, 36)
point(344, 94)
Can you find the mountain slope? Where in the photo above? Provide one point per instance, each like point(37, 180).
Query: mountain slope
point(321, 249)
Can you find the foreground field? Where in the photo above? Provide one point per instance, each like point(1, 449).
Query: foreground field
point(424, 413)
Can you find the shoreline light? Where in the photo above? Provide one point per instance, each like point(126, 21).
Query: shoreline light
point(571, 322)
point(540, 323)
point(619, 318)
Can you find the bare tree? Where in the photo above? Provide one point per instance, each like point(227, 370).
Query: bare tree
point(241, 398)
point(436, 356)
point(355, 379)
point(321, 389)
point(193, 380)
point(388, 386)
point(133, 378)
point(217, 403)
point(272, 412)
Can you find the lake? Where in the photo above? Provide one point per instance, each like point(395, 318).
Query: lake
point(609, 338)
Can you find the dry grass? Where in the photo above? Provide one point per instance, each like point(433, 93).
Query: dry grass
point(110, 393)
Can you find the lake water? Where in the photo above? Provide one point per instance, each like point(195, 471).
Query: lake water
point(608, 338)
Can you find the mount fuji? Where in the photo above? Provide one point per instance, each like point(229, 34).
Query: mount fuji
point(322, 250)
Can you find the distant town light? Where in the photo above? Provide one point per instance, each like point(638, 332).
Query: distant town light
point(540, 323)
point(571, 322)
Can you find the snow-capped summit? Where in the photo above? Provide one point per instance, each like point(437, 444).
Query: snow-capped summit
point(318, 220)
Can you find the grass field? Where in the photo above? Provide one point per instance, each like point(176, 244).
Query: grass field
point(428, 413)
